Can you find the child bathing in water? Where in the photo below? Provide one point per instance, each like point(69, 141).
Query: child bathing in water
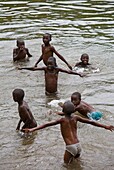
point(51, 75)
point(24, 111)
point(48, 50)
point(84, 65)
point(83, 108)
point(84, 61)
point(68, 126)
point(20, 53)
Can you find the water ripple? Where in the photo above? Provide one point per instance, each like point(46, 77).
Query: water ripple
point(80, 18)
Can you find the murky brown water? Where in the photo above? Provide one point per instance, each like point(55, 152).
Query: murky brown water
point(77, 27)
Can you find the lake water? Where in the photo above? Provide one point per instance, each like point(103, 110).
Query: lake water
point(77, 27)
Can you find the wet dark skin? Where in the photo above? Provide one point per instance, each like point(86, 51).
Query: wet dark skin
point(68, 126)
point(84, 61)
point(48, 50)
point(51, 75)
point(24, 112)
point(81, 106)
point(21, 52)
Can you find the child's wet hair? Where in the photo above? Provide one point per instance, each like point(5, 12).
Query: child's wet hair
point(68, 107)
point(20, 93)
point(20, 41)
point(52, 59)
point(77, 94)
point(84, 55)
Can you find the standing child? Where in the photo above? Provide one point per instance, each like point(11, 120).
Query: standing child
point(48, 50)
point(24, 112)
point(20, 53)
point(68, 126)
point(51, 75)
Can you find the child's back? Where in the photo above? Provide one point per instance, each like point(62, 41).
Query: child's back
point(24, 111)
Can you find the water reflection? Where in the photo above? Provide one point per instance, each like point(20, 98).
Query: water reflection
point(86, 19)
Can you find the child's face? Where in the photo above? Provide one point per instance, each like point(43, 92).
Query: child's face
point(15, 97)
point(50, 65)
point(75, 100)
point(46, 39)
point(21, 45)
point(85, 59)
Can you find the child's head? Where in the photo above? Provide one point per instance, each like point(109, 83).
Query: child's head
point(68, 108)
point(46, 38)
point(18, 95)
point(51, 63)
point(20, 43)
point(76, 98)
point(85, 58)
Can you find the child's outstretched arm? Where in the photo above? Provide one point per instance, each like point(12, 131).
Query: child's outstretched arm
point(75, 73)
point(40, 59)
point(61, 57)
point(28, 53)
point(31, 68)
point(42, 126)
point(59, 113)
point(50, 112)
point(71, 72)
point(26, 68)
point(94, 123)
point(18, 125)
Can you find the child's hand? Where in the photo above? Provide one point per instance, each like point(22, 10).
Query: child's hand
point(59, 113)
point(60, 104)
point(17, 129)
point(26, 130)
point(111, 128)
point(22, 48)
point(82, 74)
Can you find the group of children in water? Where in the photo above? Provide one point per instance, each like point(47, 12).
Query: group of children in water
point(68, 123)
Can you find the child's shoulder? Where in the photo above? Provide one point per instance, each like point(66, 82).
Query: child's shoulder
point(26, 49)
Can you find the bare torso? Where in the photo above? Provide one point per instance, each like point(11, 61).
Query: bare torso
point(51, 80)
point(21, 54)
point(84, 108)
point(46, 53)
